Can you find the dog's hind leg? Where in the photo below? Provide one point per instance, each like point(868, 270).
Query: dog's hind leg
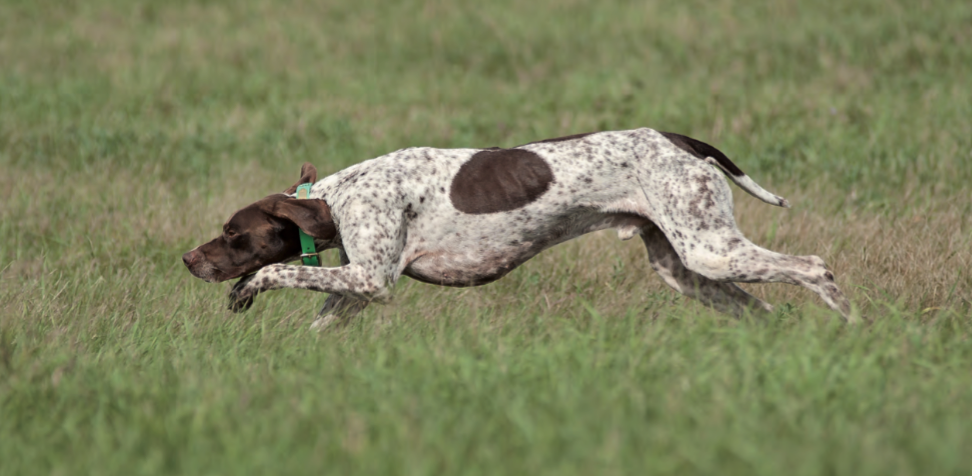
point(748, 263)
point(722, 296)
point(699, 224)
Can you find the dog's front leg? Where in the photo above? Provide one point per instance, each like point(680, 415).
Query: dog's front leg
point(353, 280)
point(373, 255)
point(338, 308)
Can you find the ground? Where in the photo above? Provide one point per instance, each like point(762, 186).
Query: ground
point(129, 131)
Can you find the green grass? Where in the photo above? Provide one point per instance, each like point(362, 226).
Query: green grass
point(130, 130)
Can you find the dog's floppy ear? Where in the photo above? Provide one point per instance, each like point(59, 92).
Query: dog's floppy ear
point(312, 215)
point(308, 174)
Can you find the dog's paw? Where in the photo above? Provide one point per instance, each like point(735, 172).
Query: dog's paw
point(242, 294)
point(322, 323)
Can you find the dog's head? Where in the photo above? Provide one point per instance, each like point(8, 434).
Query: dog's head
point(262, 233)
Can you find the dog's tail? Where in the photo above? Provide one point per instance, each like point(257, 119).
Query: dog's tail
point(715, 157)
point(751, 186)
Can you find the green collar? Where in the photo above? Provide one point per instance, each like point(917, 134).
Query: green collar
point(308, 251)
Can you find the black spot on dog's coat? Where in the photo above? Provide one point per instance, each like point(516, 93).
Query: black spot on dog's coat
point(500, 180)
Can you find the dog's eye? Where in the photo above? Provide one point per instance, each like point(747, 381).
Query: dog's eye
point(230, 233)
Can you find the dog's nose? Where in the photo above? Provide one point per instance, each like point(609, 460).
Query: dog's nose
point(190, 258)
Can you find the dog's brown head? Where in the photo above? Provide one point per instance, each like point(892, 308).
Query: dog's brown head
point(262, 233)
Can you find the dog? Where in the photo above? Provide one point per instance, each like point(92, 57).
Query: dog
point(467, 217)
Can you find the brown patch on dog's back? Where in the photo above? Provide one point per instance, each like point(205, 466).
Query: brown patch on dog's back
point(501, 180)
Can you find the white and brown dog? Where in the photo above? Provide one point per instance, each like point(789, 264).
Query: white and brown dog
point(465, 217)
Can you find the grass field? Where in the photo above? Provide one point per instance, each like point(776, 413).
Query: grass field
point(130, 130)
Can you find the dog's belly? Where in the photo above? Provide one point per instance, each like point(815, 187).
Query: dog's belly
point(475, 262)
point(467, 268)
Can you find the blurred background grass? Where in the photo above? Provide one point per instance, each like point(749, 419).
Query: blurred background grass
point(130, 130)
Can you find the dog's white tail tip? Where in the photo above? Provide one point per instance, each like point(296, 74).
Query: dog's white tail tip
point(751, 187)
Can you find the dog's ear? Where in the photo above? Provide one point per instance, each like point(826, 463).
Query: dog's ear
point(308, 174)
point(312, 215)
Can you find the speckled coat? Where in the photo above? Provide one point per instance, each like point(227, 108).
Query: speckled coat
point(461, 217)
